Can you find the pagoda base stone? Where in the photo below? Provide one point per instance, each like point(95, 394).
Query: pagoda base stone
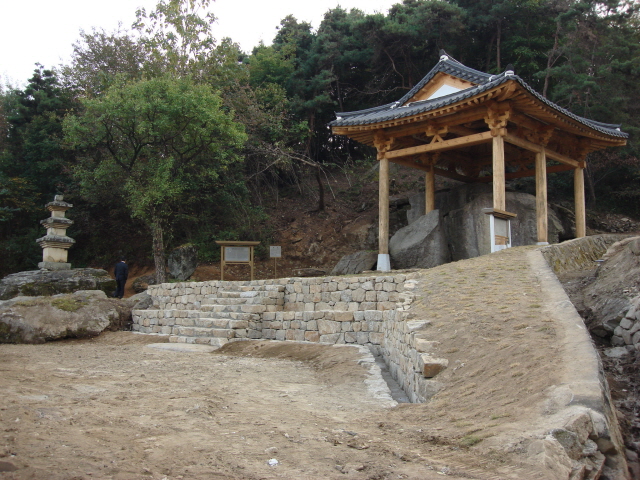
point(54, 266)
point(43, 282)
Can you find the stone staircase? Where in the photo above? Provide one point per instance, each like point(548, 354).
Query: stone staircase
point(233, 313)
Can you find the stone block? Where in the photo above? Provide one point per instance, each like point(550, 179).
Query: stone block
point(376, 338)
point(416, 325)
point(362, 337)
point(326, 327)
point(358, 295)
point(238, 324)
point(430, 366)
point(373, 315)
point(330, 338)
point(311, 336)
point(253, 308)
point(424, 346)
point(343, 316)
point(626, 323)
point(617, 341)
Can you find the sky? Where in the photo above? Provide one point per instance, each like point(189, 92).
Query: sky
point(44, 30)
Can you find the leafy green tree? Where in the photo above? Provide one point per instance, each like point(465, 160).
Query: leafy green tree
point(99, 57)
point(156, 143)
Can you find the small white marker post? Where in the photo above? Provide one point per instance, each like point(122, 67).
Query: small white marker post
point(275, 252)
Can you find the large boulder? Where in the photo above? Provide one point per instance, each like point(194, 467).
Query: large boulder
point(421, 244)
point(84, 313)
point(467, 227)
point(356, 263)
point(608, 299)
point(183, 261)
point(41, 282)
point(141, 283)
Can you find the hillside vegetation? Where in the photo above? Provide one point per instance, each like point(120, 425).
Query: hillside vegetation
point(120, 133)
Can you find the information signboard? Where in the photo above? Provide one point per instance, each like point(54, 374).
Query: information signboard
point(237, 254)
point(275, 251)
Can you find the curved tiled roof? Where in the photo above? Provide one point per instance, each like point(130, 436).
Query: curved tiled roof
point(483, 81)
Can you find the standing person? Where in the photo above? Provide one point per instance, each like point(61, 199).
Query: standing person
point(121, 272)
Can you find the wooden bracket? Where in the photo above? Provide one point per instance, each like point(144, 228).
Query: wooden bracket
point(428, 159)
point(382, 142)
point(541, 136)
point(437, 132)
point(497, 117)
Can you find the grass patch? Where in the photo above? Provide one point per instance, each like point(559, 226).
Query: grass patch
point(496, 417)
point(470, 440)
point(68, 304)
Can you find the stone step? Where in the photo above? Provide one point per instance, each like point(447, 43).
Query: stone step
point(193, 314)
point(247, 294)
point(215, 342)
point(217, 309)
point(232, 301)
point(203, 332)
point(261, 288)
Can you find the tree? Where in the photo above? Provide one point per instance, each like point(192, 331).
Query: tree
point(156, 143)
point(33, 163)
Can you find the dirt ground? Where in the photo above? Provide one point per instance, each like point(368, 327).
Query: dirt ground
point(113, 408)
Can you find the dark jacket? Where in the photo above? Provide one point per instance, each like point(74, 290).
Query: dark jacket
point(121, 271)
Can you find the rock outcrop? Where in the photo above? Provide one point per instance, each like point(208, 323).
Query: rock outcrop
point(460, 230)
point(85, 313)
point(42, 282)
point(421, 244)
point(140, 284)
point(182, 262)
point(611, 300)
point(466, 227)
point(356, 263)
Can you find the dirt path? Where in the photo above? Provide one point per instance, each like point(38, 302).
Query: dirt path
point(113, 408)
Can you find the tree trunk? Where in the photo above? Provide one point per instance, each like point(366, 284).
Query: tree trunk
point(158, 251)
point(498, 53)
point(551, 60)
point(320, 191)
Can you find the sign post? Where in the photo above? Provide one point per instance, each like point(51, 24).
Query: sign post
point(275, 252)
point(236, 253)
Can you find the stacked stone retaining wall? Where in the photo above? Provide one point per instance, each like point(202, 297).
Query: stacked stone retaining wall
point(579, 253)
point(362, 310)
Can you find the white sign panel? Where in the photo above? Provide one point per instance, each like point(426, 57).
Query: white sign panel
point(237, 254)
point(275, 252)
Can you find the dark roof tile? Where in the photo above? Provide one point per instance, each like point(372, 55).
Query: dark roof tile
point(484, 82)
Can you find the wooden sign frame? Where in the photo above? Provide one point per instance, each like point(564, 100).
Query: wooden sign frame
point(234, 244)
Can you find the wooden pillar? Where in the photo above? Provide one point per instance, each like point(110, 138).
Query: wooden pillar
point(578, 191)
point(384, 262)
point(430, 190)
point(541, 197)
point(499, 202)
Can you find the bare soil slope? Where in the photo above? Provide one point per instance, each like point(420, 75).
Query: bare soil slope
point(112, 408)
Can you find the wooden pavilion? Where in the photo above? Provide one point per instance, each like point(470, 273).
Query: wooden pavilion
point(471, 126)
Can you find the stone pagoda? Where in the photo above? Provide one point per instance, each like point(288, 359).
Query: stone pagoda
point(56, 243)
